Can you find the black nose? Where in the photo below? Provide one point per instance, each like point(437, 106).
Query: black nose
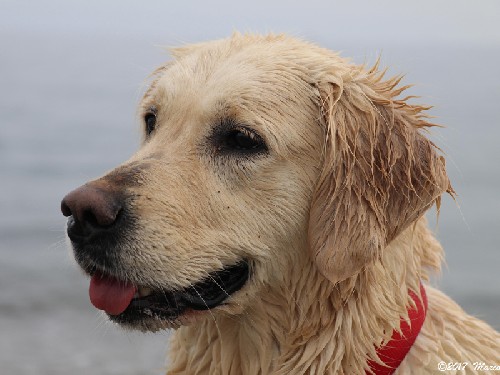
point(92, 210)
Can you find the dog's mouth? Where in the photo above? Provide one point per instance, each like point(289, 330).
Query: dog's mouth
point(132, 304)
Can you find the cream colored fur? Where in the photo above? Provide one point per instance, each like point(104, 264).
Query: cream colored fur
point(306, 326)
point(330, 219)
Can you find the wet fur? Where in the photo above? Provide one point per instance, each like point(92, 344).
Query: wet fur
point(330, 219)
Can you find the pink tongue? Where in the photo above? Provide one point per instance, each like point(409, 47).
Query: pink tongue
point(109, 294)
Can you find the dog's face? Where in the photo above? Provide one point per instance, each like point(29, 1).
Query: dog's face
point(217, 201)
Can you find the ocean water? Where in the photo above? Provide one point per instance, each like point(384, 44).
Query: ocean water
point(67, 114)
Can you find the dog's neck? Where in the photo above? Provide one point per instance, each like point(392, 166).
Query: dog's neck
point(310, 324)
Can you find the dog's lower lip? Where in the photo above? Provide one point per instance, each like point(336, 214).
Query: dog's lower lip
point(203, 295)
point(219, 285)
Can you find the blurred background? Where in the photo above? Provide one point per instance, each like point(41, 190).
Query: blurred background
point(71, 75)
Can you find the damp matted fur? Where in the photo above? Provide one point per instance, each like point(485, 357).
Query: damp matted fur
point(330, 218)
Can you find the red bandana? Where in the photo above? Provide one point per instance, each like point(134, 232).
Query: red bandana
point(393, 353)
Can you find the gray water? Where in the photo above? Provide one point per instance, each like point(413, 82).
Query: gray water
point(67, 114)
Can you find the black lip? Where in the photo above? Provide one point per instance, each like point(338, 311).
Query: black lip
point(203, 295)
point(219, 285)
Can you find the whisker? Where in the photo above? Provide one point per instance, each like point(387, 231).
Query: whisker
point(210, 311)
point(228, 295)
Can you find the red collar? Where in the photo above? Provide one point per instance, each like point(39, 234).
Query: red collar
point(393, 353)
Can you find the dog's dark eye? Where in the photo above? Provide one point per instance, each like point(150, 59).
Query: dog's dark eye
point(150, 121)
point(242, 140)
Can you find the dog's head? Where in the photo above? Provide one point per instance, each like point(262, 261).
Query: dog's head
point(255, 150)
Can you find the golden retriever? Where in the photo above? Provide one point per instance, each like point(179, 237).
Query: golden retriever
point(273, 216)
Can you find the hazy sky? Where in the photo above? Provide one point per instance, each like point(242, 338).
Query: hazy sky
point(448, 21)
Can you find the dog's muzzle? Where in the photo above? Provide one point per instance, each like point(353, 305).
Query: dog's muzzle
point(99, 224)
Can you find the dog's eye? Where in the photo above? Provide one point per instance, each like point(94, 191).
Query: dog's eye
point(242, 140)
point(150, 121)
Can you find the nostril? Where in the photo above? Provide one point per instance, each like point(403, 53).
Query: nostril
point(101, 216)
point(75, 231)
point(89, 218)
point(66, 211)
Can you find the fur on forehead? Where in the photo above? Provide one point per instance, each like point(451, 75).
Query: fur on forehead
point(270, 53)
point(248, 81)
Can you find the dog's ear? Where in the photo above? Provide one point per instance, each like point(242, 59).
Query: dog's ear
point(380, 173)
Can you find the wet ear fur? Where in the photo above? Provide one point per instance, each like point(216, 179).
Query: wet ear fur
point(380, 173)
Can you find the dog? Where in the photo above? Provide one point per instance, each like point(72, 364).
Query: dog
point(273, 216)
